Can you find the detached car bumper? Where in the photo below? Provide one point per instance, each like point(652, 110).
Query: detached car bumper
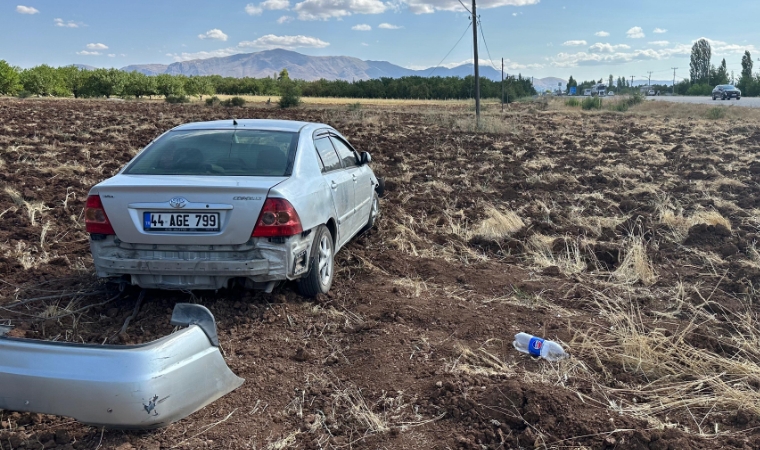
point(140, 386)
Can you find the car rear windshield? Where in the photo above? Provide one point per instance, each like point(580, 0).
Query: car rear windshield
point(217, 153)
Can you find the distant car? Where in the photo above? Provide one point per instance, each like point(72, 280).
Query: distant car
point(725, 92)
point(651, 92)
point(610, 93)
point(587, 92)
point(249, 201)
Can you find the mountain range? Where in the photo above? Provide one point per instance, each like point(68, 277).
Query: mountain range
point(271, 62)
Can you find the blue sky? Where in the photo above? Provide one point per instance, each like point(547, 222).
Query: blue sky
point(588, 39)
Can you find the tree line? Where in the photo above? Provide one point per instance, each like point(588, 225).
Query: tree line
point(73, 81)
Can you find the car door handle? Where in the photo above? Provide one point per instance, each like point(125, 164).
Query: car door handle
point(354, 177)
point(334, 184)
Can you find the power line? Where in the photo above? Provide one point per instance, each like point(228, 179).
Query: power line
point(452, 49)
point(465, 8)
point(490, 59)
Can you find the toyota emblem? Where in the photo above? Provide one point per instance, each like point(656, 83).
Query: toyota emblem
point(178, 202)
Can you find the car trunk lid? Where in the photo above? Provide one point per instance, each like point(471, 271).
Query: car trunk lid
point(215, 210)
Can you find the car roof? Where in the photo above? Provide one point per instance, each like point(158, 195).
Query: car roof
point(255, 124)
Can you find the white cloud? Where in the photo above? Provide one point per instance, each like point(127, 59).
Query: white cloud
point(288, 42)
point(213, 34)
point(617, 57)
point(607, 48)
point(275, 4)
point(508, 64)
point(601, 34)
point(86, 53)
point(62, 23)
point(635, 33)
point(204, 55)
point(659, 31)
point(21, 9)
point(574, 43)
point(326, 9)
point(253, 10)
point(430, 6)
point(285, 19)
point(365, 44)
point(724, 48)
point(388, 26)
point(97, 46)
point(659, 43)
point(361, 27)
point(112, 55)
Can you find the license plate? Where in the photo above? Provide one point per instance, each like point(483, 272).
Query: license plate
point(189, 221)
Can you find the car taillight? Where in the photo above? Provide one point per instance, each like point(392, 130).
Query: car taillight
point(278, 218)
point(95, 218)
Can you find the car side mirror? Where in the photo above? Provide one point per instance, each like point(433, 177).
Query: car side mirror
point(365, 158)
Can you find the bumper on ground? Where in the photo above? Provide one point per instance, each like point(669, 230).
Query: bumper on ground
point(140, 386)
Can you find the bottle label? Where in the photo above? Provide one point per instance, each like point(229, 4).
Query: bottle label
point(534, 346)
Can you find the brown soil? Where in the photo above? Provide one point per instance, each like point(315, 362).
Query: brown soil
point(412, 347)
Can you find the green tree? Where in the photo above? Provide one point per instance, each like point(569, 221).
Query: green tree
point(169, 85)
point(720, 75)
point(746, 77)
point(43, 80)
point(290, 94)
point(609, 86)
point(74, 79)
point(699, 68)
point(104, 83)
point(10, 82)
point(199, 86)
point(283, 75)
point(138, 84)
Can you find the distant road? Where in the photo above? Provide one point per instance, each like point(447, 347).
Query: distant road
point(748, 102)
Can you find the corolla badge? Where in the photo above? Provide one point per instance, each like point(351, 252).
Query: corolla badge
point(178, 202)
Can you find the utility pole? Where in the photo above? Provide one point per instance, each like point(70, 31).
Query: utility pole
point(649, 79)
point(632, 82)
point(477, 71)
point(502, 84)
point(674, 79)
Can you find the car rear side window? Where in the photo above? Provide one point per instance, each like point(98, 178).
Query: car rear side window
point(327, 153)
point(347, 155)
point(217, 153)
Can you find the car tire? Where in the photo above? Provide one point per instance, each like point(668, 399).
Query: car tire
point(374, 213)
point(380, 188)
point(713, 98)
point(321, 265)
point(723, 97)
point(738, 98)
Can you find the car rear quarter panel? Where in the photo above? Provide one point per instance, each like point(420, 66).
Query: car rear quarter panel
point(306, 188)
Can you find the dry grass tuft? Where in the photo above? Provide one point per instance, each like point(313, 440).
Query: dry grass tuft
point(499, 224)
point(482, 361)
point(681, 377)
point(32, 208)
point(636, 266)
point(681, 224)
point(569, 261)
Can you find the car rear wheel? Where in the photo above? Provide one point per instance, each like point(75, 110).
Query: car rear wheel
point(723, 97)
point(321, 265)
point(738, 98)
point(713, 97)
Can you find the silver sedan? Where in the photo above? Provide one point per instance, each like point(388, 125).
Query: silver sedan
point(249, 201)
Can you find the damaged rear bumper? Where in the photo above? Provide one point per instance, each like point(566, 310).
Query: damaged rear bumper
point(140, 386)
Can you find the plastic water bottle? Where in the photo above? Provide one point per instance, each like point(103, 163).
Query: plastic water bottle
point(535, 346)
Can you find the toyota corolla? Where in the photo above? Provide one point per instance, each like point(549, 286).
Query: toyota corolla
point(254, 202)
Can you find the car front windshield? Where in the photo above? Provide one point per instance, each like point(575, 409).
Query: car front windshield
point(217, 152)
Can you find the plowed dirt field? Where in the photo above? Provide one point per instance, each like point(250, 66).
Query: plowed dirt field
point(629, 238)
